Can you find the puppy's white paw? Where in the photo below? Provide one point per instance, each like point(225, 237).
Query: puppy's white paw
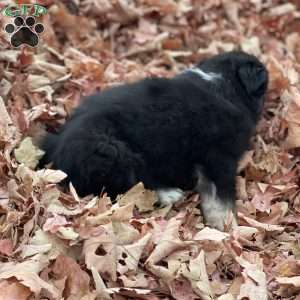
point(169, 196)
point(217, 213)
point(216, 219)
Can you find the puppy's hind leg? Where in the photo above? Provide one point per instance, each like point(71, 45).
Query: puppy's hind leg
point(216, 204)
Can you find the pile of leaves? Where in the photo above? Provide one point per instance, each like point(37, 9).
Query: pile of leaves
point(56, 245)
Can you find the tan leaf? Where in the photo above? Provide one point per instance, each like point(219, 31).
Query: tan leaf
point(51, 176)
point(255, 284)
point(197, 274)
point(168, 242)
point(100, 285)
point(27, 273)
point(125, 233)
point(13, 290)
point(6, 131)
point(54, 223)
point(77, 281)
point(37, 81)
point(56, 207)
point(259, 225)
point(251, 45)
point(295, 281)
point(43, 242)
point(130, 255)
point(226, 297)
point(292, 116)
point(210, 234)
point(10, 55)
point(6, 247)
point(68, 233)
point(142, 198)
point(53, 71)
point(100, 252)
point(116, 213)
point(181, 289)
point(28, 154)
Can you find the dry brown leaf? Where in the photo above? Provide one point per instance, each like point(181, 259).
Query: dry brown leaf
point(129, 255)
point(54, 223)
point(292, 117)
point(45, 243)
point(13, 290)
point(198, 277)
point(6, 247)
point(77, 281)
point(116, 213)
point(259, 225)
point(169, 241)
point(100, 252)
point(226, 297)
point(51, 176)
point(27, 273)
point(124, 233)
point(294, 281)
point(255, 284)
point(143, 199)
point(210, 234)
point(28, 154)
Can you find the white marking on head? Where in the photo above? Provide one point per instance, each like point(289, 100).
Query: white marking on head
point(169, 196)
point(206, 76)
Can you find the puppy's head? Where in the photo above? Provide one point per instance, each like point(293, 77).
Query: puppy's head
point(242, 75)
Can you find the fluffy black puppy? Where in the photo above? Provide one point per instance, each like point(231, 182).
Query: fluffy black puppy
point(175, 134)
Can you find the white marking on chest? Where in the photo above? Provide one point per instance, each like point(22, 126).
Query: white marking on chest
point(206, 76)
point(169, 196)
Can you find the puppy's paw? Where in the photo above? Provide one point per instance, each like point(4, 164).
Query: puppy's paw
point(169, 196)
point(216, 219)
point(218, 215)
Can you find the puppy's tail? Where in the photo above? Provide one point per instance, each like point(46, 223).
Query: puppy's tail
point(48, 145)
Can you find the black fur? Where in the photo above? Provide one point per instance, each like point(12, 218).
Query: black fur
point(160, 131)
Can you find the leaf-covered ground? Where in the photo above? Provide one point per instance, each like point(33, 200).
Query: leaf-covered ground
point(55, 245)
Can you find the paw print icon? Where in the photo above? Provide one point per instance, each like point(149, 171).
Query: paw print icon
point(24, 32)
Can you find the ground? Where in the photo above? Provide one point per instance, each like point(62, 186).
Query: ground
point(55, 245)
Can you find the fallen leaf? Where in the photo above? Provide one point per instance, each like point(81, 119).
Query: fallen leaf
point(6, 247)
point(143, 199)
point(169, 241)
point(210, 234)
point(53, 224)
point(294, 281)
point(124, 233)
point(292, 116)
point(198, 277)
point(116, 213)
point(51, 176)
point(259, 225)
point(100, 252)
point(27, 273)
point(255, 281)
point(129, 255)
point(77, 281)
point(28, 154)
point(13, 290)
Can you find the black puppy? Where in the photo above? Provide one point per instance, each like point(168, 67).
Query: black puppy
point(175, 134)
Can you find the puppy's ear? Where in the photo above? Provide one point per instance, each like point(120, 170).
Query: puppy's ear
point(254, 79)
